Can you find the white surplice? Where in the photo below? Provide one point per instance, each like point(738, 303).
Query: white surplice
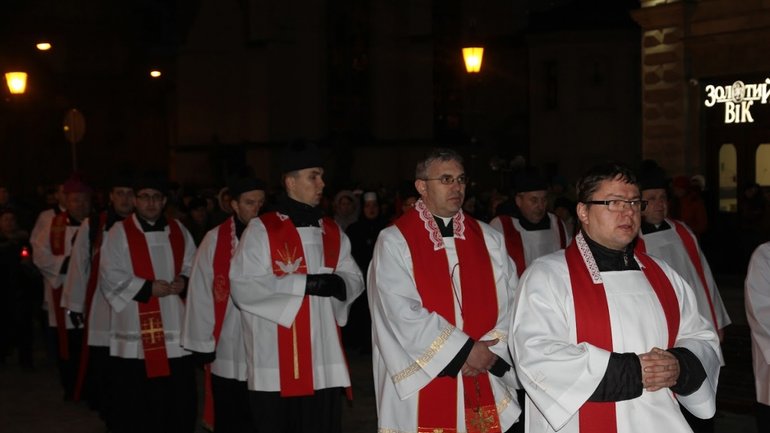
point(120, 285)
point(48, 263)
point(267, 301)
point(758, 315)
point(668, 246)
point(198, 329)
point(536, 243)
point(412, 345)
point(76, 284)
point(560, 375)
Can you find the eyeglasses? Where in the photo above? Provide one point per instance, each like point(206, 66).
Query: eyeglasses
point(621, 205)
point(448, 180)
point(150, 197)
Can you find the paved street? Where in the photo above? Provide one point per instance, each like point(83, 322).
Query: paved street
point(30, 402)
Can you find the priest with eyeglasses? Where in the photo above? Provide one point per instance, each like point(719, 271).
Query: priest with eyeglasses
point(606, 339)
point(440, 289)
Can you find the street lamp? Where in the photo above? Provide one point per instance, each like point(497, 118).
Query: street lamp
point(16, 81)
point(473, 56)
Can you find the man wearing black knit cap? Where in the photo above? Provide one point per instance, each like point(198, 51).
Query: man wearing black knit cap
point(293, 277)
point(212, 324)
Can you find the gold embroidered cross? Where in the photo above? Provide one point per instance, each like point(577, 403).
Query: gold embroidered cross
point(152, 329)
point(481, 423)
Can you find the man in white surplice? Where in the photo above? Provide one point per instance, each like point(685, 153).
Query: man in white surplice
point(294, 279)
point(591, 324)
point(440, 289)
point(758, 315)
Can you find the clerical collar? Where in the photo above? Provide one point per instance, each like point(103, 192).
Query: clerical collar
point(239, 227)
point(612, 260)
point(652, 228)
point(445, 225)
point(159, 225)
point(301, 214)
point(543, 224)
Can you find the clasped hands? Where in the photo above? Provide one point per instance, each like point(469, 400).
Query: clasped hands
point(161, 288)
point(481, 359)
point(660, 369)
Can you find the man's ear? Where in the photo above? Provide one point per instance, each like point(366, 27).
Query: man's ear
point(420, 185)
point(582, 213)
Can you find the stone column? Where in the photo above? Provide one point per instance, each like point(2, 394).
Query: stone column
point(666, 135)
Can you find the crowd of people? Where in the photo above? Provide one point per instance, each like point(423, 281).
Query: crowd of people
point(548, 308)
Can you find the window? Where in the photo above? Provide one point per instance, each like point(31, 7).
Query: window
point(728, 176)
point(763, 164)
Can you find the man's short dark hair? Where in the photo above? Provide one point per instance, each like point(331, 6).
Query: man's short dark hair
point(441, 155)
point(589, 182)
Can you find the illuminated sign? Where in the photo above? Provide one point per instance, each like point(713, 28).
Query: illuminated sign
point(738, 99)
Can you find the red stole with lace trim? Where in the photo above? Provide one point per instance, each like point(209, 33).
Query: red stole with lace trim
point(692, 252)
point(57, 238)
point(93, 277)
point(295, 356)
point(150, 319)
point(592, 319)
point(438, 400)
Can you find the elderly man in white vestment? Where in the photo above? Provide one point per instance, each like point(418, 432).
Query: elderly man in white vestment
point(758, 315)
point(440, 292)
point(534, 232)
point(294, 279)
point(675, 243)
point(606, 340)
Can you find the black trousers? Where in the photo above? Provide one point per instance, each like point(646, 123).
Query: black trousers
point(68, 368)
point(763, 417)
point(318, 413)
point(97, 388)
point(232, 413)
point(158, 405)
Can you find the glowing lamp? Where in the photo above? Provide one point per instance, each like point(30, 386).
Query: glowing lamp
point(24, 252)
point(472, 57)
point(155, 73)
point(43, 46)
point(17, 82)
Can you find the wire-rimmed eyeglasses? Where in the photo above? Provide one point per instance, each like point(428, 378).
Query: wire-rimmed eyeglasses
point(448, 180)
point(618, 205)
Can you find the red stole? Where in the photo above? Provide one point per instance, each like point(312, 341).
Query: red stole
point(515, 246)
point(93, 277)
point(57, 238)
point(438, 400)
point(150, 319)
point(223, 255)
point(692, 252)
point(513, 243)
point(295, 356)
point(592, 320)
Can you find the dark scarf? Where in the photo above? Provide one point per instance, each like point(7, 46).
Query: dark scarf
point(301, 214)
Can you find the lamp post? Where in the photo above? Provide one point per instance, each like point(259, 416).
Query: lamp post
point(17, 82)
point(473, 54)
